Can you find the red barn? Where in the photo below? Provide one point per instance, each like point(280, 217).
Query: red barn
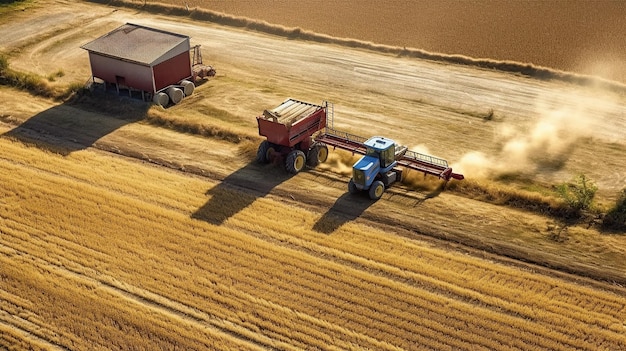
point(140, 58)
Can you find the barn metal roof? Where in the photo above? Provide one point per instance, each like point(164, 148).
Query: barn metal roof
point(135, 43)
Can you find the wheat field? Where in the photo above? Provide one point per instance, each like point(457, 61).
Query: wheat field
point(102, 252)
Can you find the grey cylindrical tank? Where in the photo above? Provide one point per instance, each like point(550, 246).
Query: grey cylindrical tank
point(175, 94)
point(161, 99)
point(188, 87)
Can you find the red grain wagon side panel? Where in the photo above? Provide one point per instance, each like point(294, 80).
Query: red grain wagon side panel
point(306, 127)
point(275, 132)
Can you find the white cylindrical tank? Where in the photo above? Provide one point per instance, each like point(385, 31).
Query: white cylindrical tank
point(161, 99)
point(175, 94)
point(188, 87)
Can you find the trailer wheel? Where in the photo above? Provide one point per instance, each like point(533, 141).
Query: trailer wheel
point(312, 157)
point(352, 189)
point(322, 152)
point(264, 152)
point(295, 161)
point(376, 190)
point(317, 154)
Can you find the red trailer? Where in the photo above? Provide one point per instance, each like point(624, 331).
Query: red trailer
point(289, 129)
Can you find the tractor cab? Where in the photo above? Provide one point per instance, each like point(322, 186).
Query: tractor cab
point(383, 149)
point(374, 170)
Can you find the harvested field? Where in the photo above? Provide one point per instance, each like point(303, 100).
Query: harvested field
point(129, 226)
point(100, 251)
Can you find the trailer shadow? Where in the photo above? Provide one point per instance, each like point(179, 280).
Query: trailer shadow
point(239, 190)
point(347, 208)
point(71, 127)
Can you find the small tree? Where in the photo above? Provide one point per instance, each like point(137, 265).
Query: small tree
point(579, 194)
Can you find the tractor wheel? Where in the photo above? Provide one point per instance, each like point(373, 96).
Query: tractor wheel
point(352, 189)
point(376, 190)
point(295, 161)
point(265, 151)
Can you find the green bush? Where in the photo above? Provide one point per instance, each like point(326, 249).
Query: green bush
point(579, 194)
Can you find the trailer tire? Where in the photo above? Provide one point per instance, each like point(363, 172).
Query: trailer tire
point(295, 161)
point(317, 154)
point(265, 151)
point(352, 189)
point(322, 152)
point(312, 159)
point(376, 190)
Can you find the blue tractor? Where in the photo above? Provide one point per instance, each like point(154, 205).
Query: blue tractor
point(376, 169)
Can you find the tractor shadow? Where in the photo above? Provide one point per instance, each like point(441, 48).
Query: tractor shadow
point(347, 208)
point(432, 194)
point(74, 126)
point(239, 190)
point(351, 206)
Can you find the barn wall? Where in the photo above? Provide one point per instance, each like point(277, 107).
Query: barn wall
point(177, 50)
point(172, 71)
point(109, 69)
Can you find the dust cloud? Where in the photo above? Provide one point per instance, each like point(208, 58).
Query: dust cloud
point(340, 162)
point(541, 145)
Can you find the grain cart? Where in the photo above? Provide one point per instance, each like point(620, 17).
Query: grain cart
point(289, 129)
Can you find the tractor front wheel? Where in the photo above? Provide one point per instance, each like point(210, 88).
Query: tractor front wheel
point(376, 190)
point(352, 189)
point(295, 161)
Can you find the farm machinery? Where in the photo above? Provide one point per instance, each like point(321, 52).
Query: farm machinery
point(198, 68)
point(298, 133)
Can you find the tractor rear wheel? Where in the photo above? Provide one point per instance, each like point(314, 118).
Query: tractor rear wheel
point(265, 151)
point(295, 161)
point(376, 190)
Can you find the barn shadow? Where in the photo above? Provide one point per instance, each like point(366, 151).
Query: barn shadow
point(78, 124)
point(239, 190)
point(348, 207)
